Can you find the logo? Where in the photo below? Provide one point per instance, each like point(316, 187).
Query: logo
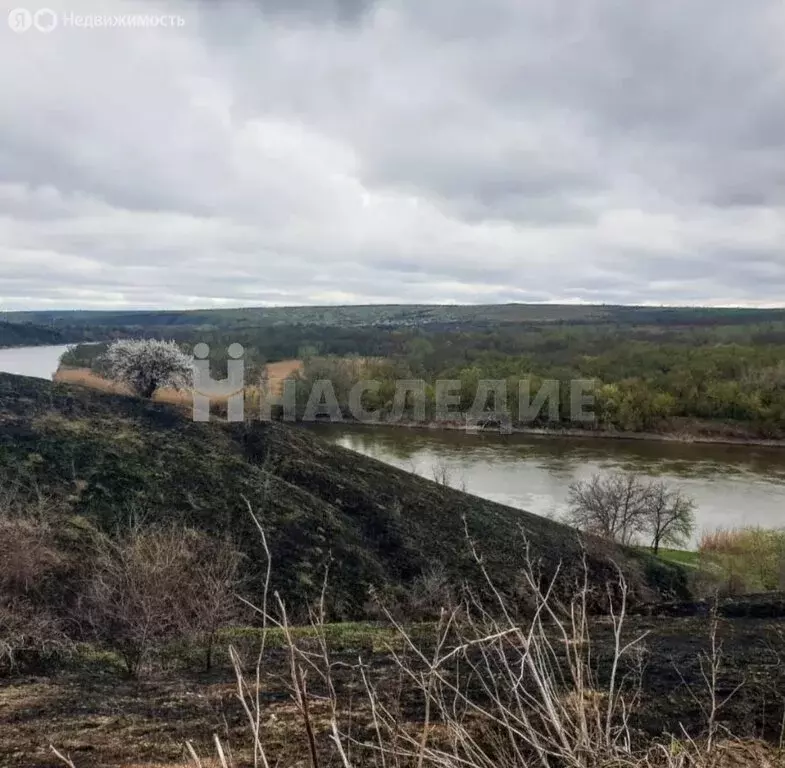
point(410, 403)
point(45, 20)
point(20, 20)
point(205, 387)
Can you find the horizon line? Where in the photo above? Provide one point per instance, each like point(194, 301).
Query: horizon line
point(251, 307)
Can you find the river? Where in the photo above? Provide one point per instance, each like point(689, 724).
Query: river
point(732, 485)
point(39, 362)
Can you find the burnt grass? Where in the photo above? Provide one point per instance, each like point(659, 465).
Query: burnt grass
point(102, 460)
point(103, 720)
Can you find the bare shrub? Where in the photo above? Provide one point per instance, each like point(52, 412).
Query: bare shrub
point(429, 593)
point(210, 599)
point(612, 506)
point(30, 564)
point(669, 517)
point(441, 474)
point(30, 636)
point(148, 365)
point(29, 557)
point(155, 586)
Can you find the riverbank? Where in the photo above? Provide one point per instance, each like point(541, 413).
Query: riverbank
point(598, 434)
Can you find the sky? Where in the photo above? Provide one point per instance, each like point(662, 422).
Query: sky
point(279, 152)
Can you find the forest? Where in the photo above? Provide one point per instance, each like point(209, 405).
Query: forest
point(670, 370)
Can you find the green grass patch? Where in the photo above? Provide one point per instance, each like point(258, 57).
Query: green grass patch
point(680, 557)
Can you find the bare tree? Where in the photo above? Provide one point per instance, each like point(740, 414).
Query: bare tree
point(622, 507)
point(610, 506)
point(670, 516)
point(147, 365)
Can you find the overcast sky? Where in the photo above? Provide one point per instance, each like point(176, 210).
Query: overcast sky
point(349, 151)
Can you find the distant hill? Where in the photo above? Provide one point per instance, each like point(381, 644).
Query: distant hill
point(106, 459)
point(28, 335)
point(392, 315)
point(333, 316)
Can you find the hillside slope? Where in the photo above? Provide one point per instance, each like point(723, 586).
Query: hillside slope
point(105, 460)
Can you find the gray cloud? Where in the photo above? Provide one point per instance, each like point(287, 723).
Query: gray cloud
point(344, 11)
point(348, 151)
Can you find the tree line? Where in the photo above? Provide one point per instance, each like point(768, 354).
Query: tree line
point(717, 378)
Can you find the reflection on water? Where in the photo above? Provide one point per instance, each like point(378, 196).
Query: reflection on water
point(732, 485)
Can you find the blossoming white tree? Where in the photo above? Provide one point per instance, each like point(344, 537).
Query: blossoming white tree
point(148, 364)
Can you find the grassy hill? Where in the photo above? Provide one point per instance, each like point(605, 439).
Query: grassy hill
point(104, 460)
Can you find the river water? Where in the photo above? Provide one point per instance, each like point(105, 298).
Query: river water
point(40, 362)
point(732, 485)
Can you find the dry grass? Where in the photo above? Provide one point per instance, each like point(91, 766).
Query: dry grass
point(205, 763)
point(278, 372)
point(747, 559)
point(86, 378)
point(740, 754)
point(726, 541)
